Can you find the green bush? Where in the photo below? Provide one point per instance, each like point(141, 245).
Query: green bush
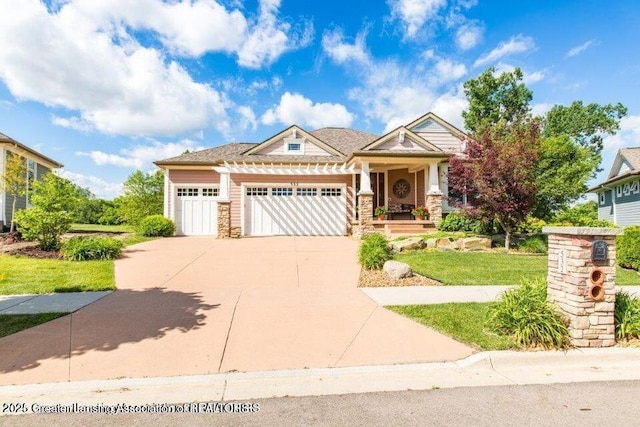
point(88, 248)
point(534, 245)
point(532, 225)
point(373, 252)
point(627, 316)
point(582, 215)
point(457, 221)
point(157, 226)
point(43, 226)
point(628, 248)
point(525, 314)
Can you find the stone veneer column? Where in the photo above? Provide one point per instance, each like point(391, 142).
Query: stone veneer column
point(365, 212)
point(571, 286)
point(434, 205)
point(224, 220)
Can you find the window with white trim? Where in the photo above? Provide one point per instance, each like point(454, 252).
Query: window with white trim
point(635, 187)
point(257, 191)
point(327, 192)
point(602, 198)
point(625, 189)
point(294, 147)
point(187, 192)
point(619, 191)
point(282, 191)
point(306, 191)
point(210, 192)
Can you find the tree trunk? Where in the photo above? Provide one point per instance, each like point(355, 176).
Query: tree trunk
point(507, 240)
point(13, 214)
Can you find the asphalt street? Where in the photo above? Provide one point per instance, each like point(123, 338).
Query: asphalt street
point(577, 404)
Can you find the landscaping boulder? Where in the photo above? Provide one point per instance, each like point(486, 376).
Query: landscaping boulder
point(474, 244)
point(397, 270)
point(446, 244)
point(410, 244)
point(432, 243)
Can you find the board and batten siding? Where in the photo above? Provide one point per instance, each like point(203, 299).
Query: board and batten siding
point(278, 148)
point(237, 180)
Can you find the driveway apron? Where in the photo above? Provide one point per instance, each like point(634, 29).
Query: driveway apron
point(190, 305)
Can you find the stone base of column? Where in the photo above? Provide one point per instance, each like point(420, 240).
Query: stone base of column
point(224, 220)
point(434, 205)
point(365, 214)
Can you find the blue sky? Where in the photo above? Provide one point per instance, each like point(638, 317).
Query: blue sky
point(108, 86)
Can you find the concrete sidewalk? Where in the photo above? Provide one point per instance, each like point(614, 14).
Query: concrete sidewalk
point(48, 303)
point(483, 369)
point(410, 295)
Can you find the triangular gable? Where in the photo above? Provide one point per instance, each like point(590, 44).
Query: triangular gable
point(410, 139)
point(300, 133)
point(432, 123)
point(620, 166)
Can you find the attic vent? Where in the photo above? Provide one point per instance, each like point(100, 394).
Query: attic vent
point(401, 137)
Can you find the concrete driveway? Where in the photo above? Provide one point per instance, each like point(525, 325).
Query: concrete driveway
point(199, 305)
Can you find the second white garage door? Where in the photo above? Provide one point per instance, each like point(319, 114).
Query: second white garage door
point(295, 211)
point(196, 211)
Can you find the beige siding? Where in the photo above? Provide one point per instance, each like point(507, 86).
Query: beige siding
point(443, 140)
point(235, 190)
point(407, 145)
point(279, 148)
point(204, 176)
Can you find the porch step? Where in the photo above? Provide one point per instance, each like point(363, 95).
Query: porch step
point(405, 227)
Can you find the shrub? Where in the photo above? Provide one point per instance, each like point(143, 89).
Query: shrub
point(627, 316)
point(457, 221)
point(87, 248)
point(534, 245)
point(628, 248)
point(43, 226)
point(373, 252)
point(157, 226)
point(525, 314)
point(582, 215)
point(532, 225)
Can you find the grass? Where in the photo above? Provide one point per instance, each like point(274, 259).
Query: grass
point(464, 322)
point(98, 228)
point(488, 268)
point(134, 239)
point(12, 323)
point(22, 275)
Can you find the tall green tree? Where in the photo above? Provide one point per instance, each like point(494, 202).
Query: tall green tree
point(142, 196)
point(495, 99)
point(14, 181)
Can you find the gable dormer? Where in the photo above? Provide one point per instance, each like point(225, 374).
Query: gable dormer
point(439, 132)
point(620, 166)
point(294, 141)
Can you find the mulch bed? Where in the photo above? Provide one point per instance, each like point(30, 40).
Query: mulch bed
point(378, 279)
point(33, 252)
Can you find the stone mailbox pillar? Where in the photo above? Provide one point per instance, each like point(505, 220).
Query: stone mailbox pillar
point(581, 281)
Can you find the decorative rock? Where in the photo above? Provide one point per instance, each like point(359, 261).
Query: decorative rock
point(397, 270)
point(474, 244)
point(446, 244)
point(409, 244)
point(432, 243)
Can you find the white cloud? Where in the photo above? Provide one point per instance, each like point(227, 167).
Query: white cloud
point(415, 13)
point(577, 50)
point(333, 43)
point(296, 109)
point(469, 35)
point(448, 70)
point(516, 44)
point(528, 77)
point(540, 109)
point(99, 187)
point(247, 118)
point(141, 156)
point(627, 136)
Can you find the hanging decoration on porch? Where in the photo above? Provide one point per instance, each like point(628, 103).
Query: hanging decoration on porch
point(401, 188)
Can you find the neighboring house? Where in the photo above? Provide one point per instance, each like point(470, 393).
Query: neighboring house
point(619, 195)
point(37, 165)
point(323, 182)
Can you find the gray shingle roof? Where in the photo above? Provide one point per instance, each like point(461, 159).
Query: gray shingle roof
point(632, 155)
point(344, 140)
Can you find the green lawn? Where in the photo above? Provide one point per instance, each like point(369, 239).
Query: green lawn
point(488, 268)
point(22, 275)
point(98, 228)
point(464, 322)
point(12, 323)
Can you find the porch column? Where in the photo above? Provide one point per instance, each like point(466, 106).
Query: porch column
point(365, 201)
point(434, 195)
point(224, 208)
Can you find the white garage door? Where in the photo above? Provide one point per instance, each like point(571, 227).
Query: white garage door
point(295, 211)
point(197, 211)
